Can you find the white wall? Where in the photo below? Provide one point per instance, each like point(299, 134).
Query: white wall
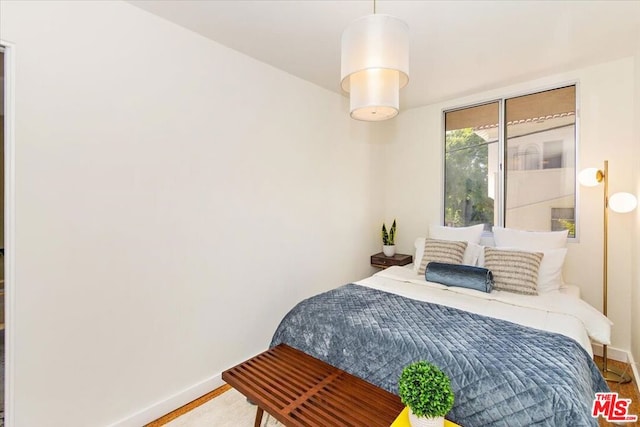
point(174, 199)
point(606, 98)
point(155, 173)
point(635, 295)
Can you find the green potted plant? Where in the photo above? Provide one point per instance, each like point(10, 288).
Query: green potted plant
point(426, 390)
point(389, 239)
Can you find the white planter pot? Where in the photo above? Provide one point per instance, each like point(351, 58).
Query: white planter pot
point(425, 422)
point(389, 250)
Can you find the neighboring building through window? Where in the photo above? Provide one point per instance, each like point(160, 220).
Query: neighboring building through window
point(532, 187)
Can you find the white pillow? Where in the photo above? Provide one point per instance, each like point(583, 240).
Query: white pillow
point(550, 271)
point(530, 240)
point(470, 234)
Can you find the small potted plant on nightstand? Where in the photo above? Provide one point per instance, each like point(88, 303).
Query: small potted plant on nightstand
point(389, 239)
point(426, 390)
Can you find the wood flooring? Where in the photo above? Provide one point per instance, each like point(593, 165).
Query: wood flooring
point(628, 391)
point(188, 407)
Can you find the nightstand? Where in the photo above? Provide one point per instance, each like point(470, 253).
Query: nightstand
point(381, 261)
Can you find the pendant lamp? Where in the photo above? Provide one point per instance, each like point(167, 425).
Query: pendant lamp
point(375, 65)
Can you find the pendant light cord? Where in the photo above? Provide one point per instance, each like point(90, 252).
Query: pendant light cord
point(374, 7)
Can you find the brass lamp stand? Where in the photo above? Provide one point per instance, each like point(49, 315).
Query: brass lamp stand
point(625, 202)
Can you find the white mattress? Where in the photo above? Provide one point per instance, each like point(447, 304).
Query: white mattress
point(561, 311)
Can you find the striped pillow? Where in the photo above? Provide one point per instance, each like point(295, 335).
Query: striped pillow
point(445, 251)
point(514, 271)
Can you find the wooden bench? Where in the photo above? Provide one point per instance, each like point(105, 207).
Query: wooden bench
point(300, 390)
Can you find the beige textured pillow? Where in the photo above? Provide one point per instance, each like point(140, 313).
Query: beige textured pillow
point(514, 271)
point(447, 251)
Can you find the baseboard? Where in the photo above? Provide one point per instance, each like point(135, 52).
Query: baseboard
point(170, 404)
point(634, 368)
point(612, 353)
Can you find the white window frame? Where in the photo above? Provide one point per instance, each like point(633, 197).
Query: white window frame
point(500, 205)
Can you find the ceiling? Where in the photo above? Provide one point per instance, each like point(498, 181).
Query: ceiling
point(457, 47)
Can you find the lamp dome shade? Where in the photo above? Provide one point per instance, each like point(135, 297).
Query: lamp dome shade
point(622, 202)
point(375, 65)
point(374, 94)
point(590, 177)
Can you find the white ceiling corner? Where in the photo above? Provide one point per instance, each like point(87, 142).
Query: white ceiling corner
point(457, 47)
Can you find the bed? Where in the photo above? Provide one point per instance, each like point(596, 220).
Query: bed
point(514, 360)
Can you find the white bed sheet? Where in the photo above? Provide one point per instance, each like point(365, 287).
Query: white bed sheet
point(559, 311)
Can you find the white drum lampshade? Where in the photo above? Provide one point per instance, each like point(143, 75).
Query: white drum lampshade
point(375, 65)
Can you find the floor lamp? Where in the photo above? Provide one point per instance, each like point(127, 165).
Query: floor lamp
point(621, 203)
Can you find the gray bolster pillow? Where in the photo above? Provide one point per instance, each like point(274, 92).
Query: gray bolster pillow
point(464, 276)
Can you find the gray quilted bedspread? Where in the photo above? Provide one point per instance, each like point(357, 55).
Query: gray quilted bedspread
point(502, 374)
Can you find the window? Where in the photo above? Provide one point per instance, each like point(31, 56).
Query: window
point(562, 218)
point(511, 162)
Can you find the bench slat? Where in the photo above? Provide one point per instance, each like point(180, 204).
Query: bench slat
point(299, 390)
